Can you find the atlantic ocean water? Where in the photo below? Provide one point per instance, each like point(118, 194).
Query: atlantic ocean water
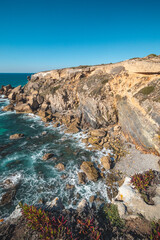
point(21, 160)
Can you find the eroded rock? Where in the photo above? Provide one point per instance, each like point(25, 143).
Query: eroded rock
point(90, 171)
point(60, 167)
point(106, 162)
point(16, 136)
point(48, 156)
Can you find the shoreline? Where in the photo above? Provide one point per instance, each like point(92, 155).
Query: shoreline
point(117, 109)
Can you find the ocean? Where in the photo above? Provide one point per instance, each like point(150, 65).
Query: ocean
point(21, 160)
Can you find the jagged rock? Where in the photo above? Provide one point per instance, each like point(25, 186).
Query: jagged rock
point(60, 167)
point(106, 162)
point(56, 203)
point(93, 140)
point(43, 114)
point(23, 108)
point(16, 136)
point(73, 128)
point(9, 107)
point(44, 106)
point(34, 105)
point(48, 156)
point(91, 172)
point(126, 93)
point(40, 99)
point(12, 96)
point(69, 186)
point(17, 89)
point(98, 133)
point(83, 206)
point(92, 199)
point(81, 178)
point(57, 124)
point(8, 197)
point(44, 133)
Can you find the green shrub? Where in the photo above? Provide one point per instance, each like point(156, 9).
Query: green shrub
point(152, 55)
point(105, 81)
point(147, 90)
point(112, 215)
point(142, 181)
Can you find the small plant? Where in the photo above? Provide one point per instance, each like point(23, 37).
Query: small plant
point(113, 217)
point(142, 181)
point(152, 55)
point(147, 90)
point(49, 227)
point(88, 229)
point(155, 231)
point(105, 81)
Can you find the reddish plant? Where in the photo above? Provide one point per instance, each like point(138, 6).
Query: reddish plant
point(88, 229)
point(142, 181)
point(49, 227)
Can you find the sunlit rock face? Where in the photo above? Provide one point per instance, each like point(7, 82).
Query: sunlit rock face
point(125, 92)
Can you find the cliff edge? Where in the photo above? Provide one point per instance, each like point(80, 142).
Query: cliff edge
point(125, 93)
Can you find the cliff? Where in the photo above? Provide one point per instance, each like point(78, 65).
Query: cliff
point(125, 93)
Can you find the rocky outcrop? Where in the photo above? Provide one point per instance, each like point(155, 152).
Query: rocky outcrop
point(106, 162)
point(48, 156)
point(129, 200)
point(90, 171)
point(16, 136)
point(99, 96)
point(60, 166)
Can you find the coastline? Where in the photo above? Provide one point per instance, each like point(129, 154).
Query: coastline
point(124, 160)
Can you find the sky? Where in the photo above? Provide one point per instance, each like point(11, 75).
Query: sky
point(37, 35)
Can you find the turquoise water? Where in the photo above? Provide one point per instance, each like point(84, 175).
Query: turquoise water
point(15, 79)
point(21, 161)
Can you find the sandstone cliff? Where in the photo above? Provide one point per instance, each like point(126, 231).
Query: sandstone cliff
point(125, 93)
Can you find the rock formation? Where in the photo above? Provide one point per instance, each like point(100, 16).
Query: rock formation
point(98, 96)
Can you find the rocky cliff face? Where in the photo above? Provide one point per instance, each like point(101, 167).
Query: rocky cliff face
point(127, 93)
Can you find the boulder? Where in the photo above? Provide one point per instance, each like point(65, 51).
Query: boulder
point(42, 114)
point(83, 206)
point(60, 167)
point(8, 197)
point(106, 162)
point(70, 186)
point(81, 178)
point(48, 156)
point(93, 140)
point(92, 199)
point(56, 203)
point(6, 89)
point(98, 133)
point(16, 136)
point(91, 172)
point(23, 108)
point(73, 128)
point(9, 107)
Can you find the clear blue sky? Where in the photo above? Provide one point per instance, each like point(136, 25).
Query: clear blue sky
point(40, 35)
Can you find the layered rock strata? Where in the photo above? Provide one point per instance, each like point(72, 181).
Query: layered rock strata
point(97, 96)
